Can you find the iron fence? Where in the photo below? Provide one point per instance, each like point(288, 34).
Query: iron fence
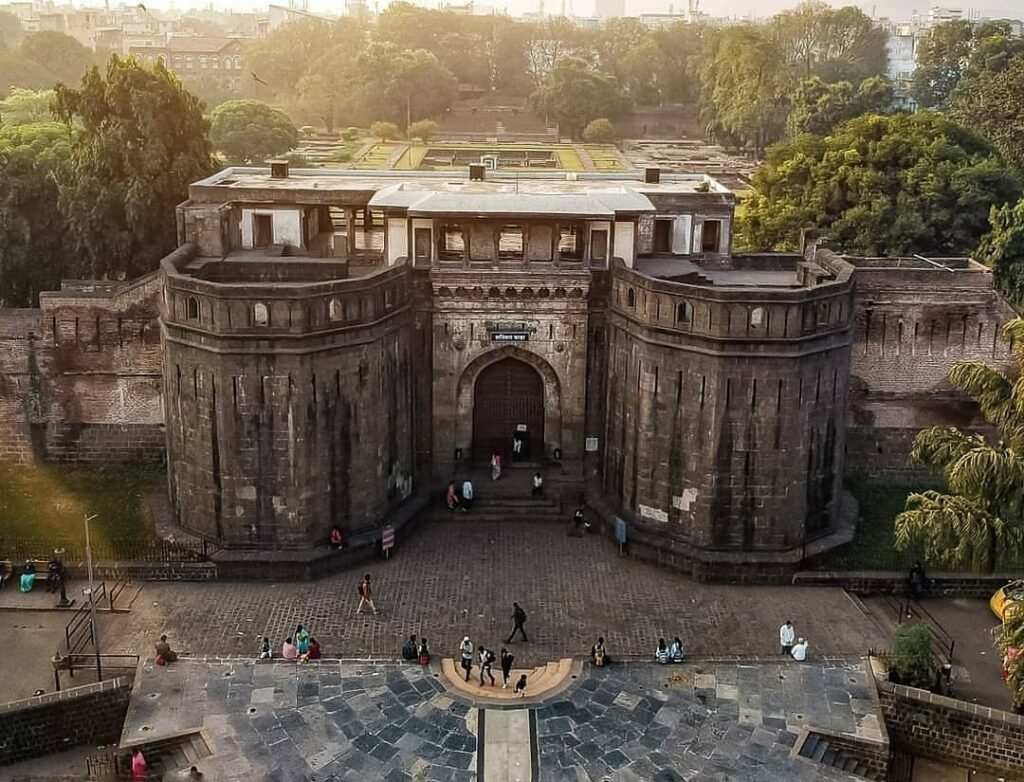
point(134, 550)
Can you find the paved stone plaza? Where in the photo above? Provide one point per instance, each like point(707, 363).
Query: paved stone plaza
point(459, 578)
point(354, 721)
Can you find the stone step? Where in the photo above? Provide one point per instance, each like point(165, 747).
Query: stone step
point(539, 681)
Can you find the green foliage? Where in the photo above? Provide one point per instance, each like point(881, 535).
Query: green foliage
point(878, 186)
point(1010, 638)
point(956, 53)
point(980, 519)
point(992, 105)
point(11, 32)
point(35, 252)
point(574, 93)
point(819, 107)
point(1002, 249)
point(600, 131)
point(64, 58)
point(143, 140)
point(835, 44)
point(23, 107)
point(384, 130)
point(251, 131)
point(746, 89)
point(425, 129)
point(912, 656)
point(403, 86)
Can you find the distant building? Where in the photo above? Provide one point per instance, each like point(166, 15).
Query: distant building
point(609, 9)
point(197, 55)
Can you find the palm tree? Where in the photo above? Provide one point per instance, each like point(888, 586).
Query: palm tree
point(981, 519)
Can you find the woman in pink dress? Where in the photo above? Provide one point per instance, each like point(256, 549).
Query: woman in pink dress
point(138, 765)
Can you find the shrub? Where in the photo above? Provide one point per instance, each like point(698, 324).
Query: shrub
point(350, 134)
point(600, 131)
point(425, 129)
point(384, 130)
point(912, 656)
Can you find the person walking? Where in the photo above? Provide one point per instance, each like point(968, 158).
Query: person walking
point(538, 484)
point(518, 620)
point(486, 661)
point(466, 650)
point(495, 466)
point(366, 595)
point(578, 520)
point(786, 637)
point(506, 660)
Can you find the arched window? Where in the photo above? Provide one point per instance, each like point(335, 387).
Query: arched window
point(630, 298)
point(684, 312)
point(335, 311)
point(202, 61)
point(260, 314)
point(188, 62)
point(238, 62)
point(227, 62)
point(214, 63)
point(757, 317)
point(192, 308)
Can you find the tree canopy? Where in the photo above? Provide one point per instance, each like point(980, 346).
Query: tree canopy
point(35, 252)
point(1002, 249)
point(978, 521)
point(23, 107)
point(993, 105)
point(402, 85)
point(251, 131)
point(820, 107)
point(142, 139)
point(879, 185)
point(574, 93)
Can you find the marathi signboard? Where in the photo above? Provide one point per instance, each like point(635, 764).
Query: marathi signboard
point(506, 331)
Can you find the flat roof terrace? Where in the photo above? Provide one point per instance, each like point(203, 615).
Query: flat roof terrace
point(777, 271)
point(496, 182)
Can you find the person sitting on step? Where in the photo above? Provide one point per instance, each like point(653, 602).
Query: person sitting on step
point(520, 688)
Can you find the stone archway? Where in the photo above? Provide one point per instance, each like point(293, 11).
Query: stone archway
point(548, 394)
point(508, 397)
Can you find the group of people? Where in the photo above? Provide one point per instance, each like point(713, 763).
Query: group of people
point(54, 575)
point(459, 496)
point(669, 653)
point(140, 768)
point(300, 647)
point(485, 660)
point(416, 650)
point(790, 644)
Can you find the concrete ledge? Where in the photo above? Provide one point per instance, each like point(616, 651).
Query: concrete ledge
point(895, 582)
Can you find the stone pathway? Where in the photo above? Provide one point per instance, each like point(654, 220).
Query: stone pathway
point(457, 578)
point(332, 721)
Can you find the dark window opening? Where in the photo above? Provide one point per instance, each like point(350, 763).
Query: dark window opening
point(662, 236)
point(262, 230)
point(599, 245)
point(451, 243)
point(192, 308)
point(684, 312)
point(630, 298)
point(711, 237)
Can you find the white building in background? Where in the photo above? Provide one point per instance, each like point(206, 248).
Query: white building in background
point(609, 9)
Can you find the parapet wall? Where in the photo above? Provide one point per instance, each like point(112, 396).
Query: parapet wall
point(910, 326)
point(80, 377)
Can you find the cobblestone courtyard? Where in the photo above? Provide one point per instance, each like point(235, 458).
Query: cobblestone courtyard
point(458, 578)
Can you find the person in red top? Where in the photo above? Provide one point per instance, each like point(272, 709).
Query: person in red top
point(337, 541)
point(314, 650)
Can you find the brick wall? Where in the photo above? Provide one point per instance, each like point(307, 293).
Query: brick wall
point(957, 732)
point(91, 714)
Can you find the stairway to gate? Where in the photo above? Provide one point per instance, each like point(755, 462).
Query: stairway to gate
point(511, 498)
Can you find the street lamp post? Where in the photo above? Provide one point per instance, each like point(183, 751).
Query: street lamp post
point(92, 601)
point(64, 602)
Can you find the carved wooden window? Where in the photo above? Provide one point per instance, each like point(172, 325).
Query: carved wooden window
point(260, 314)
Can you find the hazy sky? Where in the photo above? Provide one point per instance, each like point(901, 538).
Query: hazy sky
point(891, 8)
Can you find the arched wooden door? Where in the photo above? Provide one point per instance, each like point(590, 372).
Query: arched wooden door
point(508, 396)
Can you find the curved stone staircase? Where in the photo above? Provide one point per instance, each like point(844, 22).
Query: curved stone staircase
point(541, 682)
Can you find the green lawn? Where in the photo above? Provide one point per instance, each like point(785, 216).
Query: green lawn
point(45, 505)
point(605, 156)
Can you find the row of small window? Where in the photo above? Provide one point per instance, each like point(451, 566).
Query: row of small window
point(261, 314)
point(512, 242)
point(188, 61)
point(757, 317)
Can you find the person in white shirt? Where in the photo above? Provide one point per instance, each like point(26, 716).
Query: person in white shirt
point(800, 650)
point(786, 636)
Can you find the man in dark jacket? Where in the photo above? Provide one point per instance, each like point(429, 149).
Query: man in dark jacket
point(518, 620)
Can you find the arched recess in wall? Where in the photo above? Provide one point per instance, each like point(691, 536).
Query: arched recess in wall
point(552, 395)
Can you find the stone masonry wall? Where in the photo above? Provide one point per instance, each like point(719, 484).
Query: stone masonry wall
point(91, 714)
point(958, 732)
point(80, 378)
point(910, 326)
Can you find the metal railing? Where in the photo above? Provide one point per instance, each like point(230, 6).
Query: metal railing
point(20, 550)
point(943, 645)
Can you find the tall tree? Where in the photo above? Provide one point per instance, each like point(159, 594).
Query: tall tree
point(837, 44)
point(981, 515)
point(64, 58)
point(1002, 249)
point(879, 186)
point(35, 251)
point(280, 60)
point(993, 105)
point(746, 89)
point(819, 107)
point(960, 51)
point(573, 94)
point(142, 140)
point(403, 86)
point(250, 131)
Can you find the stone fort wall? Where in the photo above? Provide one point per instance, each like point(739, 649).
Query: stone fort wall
point(80, 377)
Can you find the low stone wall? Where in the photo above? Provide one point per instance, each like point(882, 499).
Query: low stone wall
point(957, 732)
point(91, 714)
point(104, 443)
point(148, 571)
point(891, 582)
